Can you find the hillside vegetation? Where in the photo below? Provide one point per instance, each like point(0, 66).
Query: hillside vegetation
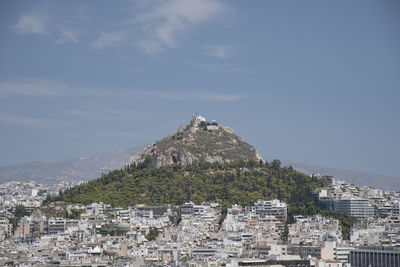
point(228, 183)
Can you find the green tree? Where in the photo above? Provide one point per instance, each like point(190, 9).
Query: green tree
point(20, 211)
point(285, 233)
point(276, 164)
point(153, 234)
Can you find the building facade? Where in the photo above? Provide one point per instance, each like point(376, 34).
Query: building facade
point(360, 208)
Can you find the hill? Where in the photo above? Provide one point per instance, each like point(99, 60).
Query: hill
point(202, 162)
point(92, 167)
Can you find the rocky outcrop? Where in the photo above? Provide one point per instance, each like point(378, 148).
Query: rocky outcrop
point(198, 141)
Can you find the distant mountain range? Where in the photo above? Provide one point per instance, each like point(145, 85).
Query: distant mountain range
point(92, 167)
point(359, 178)
point(74, 169)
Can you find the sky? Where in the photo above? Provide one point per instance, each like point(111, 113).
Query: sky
point(309, 81)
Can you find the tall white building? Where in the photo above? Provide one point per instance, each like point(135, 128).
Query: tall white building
point(270, 207)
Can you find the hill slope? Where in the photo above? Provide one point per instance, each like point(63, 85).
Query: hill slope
point(227, 183)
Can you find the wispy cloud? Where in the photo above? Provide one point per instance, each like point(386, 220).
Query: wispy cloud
point(85, 114)
point(219, 51)
point(150, 47)
point(105, 114)
point(67, 35)
point(39, 22)
point(31, 122)
point(150, 95)
point(40, 88)
point(31, 24)
point(109, 39)
point(191, 96)
point(31, 87)
point(162, 21)
point(122, 134)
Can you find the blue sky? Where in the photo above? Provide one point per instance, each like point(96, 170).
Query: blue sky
point(310, 81)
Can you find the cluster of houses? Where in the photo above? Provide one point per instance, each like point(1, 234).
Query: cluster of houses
point(377, 211)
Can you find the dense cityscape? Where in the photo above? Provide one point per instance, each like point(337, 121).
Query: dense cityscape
point(198, 234)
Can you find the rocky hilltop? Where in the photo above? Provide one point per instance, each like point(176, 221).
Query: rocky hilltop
point(200, 140)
